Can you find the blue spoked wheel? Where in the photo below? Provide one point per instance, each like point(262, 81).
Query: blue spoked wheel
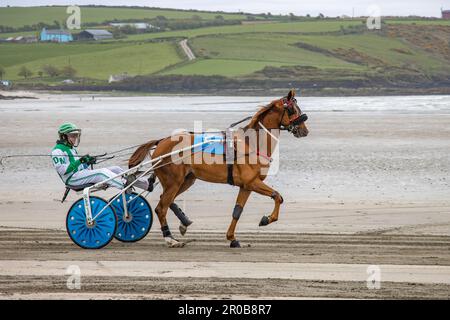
point(100, 233)
point(139, 221)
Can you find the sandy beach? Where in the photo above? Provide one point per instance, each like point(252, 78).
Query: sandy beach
point(368, 186)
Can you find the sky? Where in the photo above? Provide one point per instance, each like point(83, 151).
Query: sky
point(430, 8)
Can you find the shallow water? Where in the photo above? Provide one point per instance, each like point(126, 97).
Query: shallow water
point(360, 149)
point(438, 104)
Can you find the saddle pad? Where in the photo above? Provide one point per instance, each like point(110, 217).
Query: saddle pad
point(215, 146)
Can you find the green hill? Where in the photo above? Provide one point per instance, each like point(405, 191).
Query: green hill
point(20, 16)
point(94, 61)
point(315, 52)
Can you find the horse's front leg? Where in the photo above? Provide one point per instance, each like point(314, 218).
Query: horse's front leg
point(240, 203)
point(260, 187)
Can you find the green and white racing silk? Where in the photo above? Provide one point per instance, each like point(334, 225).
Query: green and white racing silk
point(66, 161)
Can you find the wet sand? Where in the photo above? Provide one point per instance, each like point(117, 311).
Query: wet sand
point(365, 188)
point(35, 263)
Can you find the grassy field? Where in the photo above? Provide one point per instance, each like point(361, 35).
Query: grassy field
point(96, 61)
point(280, 27)
point(228, 68)
point(325, 46)
point(20, 16)
point(235, 55)
point(390, 51)
point(267, 47)
point(437, 22)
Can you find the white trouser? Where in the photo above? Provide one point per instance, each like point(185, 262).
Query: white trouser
point(87, 176)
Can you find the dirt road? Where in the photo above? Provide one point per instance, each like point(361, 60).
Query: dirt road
point(187, 50)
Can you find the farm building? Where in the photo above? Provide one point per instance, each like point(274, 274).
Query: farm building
point(445, 14)
point(94, 34)
point(56, 35)
point(20, 39)
point(25, 39)
point(140, 26)
point(118, 77)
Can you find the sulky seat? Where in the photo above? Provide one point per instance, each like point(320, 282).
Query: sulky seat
point(74, 188)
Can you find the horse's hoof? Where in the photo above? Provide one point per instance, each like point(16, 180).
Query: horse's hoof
point(235, 244)
point(182, 229)
point(177, 244)
point(174, 243)
point(264, 221)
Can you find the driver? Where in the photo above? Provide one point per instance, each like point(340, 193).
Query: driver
point(76, 171)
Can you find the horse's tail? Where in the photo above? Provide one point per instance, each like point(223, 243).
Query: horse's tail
point(139, 155)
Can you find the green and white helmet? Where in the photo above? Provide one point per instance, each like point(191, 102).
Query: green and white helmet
point(69, 128)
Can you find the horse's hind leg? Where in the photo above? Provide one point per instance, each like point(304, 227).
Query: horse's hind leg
point(184, 219)
point(240, 203)
point(185, 222)
point(170, 189)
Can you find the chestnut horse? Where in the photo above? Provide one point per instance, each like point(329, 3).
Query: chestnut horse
point(177, 177)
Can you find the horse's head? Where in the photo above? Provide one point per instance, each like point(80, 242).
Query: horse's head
point(292, 119)
point(285, 114)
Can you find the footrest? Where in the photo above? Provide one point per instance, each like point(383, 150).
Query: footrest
point(80, 187)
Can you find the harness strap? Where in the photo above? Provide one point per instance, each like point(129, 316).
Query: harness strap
point(240, 121)
point(230, 179)
point(265, 156)
point(294, 117)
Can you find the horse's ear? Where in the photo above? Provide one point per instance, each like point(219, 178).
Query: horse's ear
point(291, 94)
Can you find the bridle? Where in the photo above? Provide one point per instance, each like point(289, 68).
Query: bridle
point(295, 118)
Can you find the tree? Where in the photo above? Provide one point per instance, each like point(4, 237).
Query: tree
point(129, 29)
point(25, 72)
point(219, 18)
point(50, 70)
point(161, 21)
point(2, 72)
point(293, 17)
point(117, 33)
point(40, 73)
point(68, 71)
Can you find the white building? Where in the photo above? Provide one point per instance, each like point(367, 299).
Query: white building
point(118, 77)
point(141, 26)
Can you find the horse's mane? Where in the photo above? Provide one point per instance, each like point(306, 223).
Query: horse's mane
point(256, 117)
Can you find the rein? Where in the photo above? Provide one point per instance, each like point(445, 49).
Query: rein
point(101, 157)
point(240, 121)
